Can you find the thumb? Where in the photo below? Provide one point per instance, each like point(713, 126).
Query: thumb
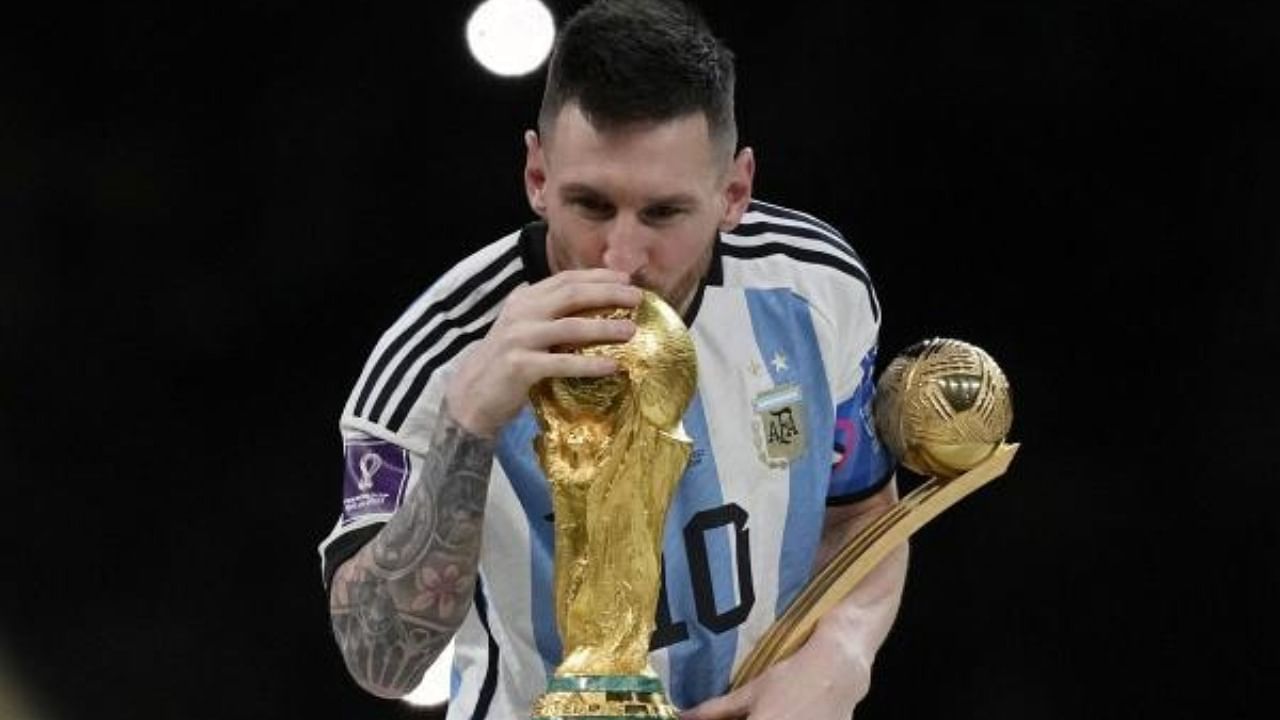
point(726, 707)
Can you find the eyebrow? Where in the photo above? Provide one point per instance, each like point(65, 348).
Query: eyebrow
point(577, 188)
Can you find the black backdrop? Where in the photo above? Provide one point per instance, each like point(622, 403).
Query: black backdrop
point(208, 214)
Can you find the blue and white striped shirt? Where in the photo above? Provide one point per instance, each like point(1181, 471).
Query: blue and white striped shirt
point(785, 327)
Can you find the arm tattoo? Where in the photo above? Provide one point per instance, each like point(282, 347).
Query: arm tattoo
point(398, 601)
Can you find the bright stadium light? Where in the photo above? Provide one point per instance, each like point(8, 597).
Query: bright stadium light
point(433, 691)
point(511, 37)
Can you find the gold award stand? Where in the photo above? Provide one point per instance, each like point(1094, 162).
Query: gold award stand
point(943, 408)
point(859, 557)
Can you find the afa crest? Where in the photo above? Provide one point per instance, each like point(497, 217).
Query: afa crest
point(779, 424)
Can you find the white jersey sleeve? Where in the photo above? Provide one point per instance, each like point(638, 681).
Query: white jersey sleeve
point(388, 418)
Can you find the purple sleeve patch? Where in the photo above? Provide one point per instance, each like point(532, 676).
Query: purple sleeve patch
point(374, 480)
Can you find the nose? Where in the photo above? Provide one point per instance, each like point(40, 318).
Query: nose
point(626, 247)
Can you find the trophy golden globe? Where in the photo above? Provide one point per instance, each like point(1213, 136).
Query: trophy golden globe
point(943, 408)
point(613, 450)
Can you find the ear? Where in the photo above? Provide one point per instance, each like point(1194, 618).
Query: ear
point(535, 172)
point(737, 188)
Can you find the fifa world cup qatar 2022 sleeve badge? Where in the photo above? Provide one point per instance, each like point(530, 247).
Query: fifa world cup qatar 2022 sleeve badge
point(374, 480)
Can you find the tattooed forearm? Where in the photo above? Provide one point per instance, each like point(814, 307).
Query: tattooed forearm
point(396, 603)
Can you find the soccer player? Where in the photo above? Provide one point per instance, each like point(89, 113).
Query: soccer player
point(637, 180)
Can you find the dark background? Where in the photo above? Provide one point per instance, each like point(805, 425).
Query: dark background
point(208, 213)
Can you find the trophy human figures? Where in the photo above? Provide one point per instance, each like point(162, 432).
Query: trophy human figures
point(613, 450)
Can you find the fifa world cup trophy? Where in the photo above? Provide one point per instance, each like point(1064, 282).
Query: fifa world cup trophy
point(943, 408)
point(613, 450)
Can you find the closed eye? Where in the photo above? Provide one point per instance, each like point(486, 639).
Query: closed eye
point(661, 213)
point(592, 206)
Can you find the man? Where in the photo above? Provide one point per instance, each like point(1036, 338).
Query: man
point(637, 180)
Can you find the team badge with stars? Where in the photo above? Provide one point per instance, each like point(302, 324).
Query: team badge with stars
point(779, 423)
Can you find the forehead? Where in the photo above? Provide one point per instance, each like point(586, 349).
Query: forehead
point(655, 157)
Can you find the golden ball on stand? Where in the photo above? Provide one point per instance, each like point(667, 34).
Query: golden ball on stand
point(942, 407)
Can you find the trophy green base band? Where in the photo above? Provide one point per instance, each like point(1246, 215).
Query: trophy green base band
point(590, 697)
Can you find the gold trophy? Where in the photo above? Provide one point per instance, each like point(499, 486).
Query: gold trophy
point(943, 408)
point(613, 450)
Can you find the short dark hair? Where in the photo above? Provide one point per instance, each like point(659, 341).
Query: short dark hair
point(629, 61)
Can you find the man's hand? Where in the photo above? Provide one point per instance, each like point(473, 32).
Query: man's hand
point(493, 379)
point(819, 682)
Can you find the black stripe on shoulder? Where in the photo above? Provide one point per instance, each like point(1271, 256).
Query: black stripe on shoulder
point(440, 358)
point(813, 257)
point(445, 304)
point(495, 296)
point(490, 684)
point(344, 547)
point(757, 228)
point(765, 208)
point(533, 248)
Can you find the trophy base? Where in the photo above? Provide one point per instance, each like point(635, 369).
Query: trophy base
point(591, 697)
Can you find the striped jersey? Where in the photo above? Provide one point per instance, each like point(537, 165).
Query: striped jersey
point(785, 325)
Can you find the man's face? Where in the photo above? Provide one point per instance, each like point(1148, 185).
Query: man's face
point(646, 199)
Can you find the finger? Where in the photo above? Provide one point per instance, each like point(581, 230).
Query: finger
point(573, 331)
point(549, 302)
point(592, 275)
point(575, 297)
point(535, 366)
point(726, 707)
